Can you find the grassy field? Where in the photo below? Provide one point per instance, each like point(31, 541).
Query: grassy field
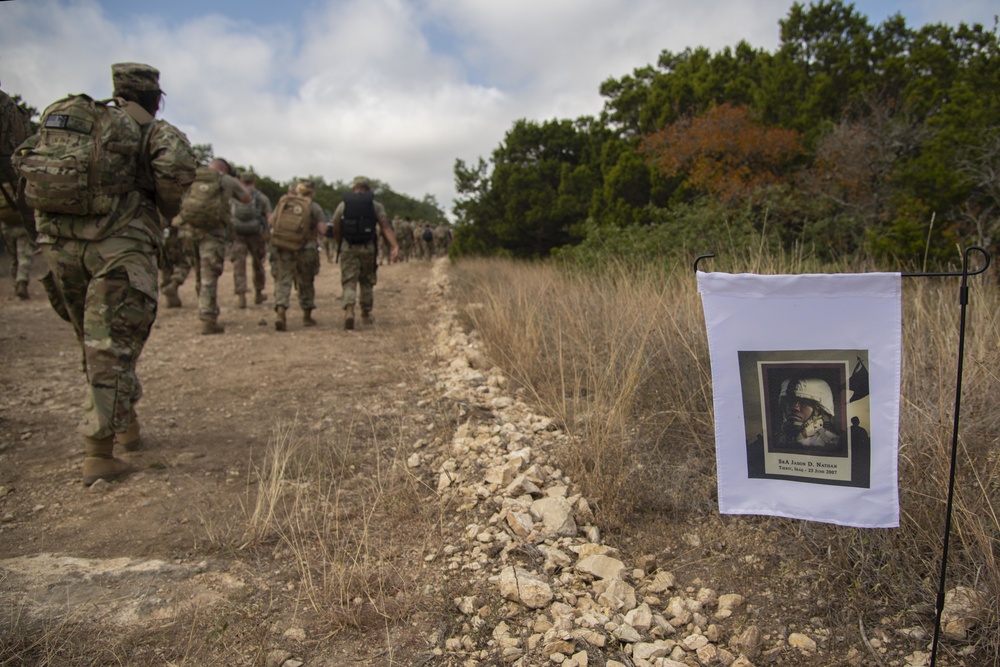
point(621, 359)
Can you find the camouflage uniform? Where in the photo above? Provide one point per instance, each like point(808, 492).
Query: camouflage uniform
point(253, 246)
point(329, 244)
point(404, 235)
point(102, 269)
point(18, 242)
point(182, 254)
point(210, 254)
point(15, 217)
point(442, 239)
point(425, 245)
point(170, 253)
point(299, 266)
point(358, 275)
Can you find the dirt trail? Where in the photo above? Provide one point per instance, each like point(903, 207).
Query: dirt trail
point(210, 405)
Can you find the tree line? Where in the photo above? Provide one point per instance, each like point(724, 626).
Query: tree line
point(847, 139)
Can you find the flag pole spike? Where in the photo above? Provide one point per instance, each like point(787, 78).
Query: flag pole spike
point(963, 299)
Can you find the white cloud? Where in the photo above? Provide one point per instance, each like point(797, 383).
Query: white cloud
point(394, 89)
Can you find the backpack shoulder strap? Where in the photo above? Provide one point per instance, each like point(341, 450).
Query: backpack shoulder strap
point(135, 112)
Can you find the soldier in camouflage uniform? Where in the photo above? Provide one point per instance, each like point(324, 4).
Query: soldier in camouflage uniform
point(404, 236)
point(16, 219)
point(424, 236)
point(357, 260)
point(210, 246)
point(299, 267)
point(329, 245)
point(442, 240)
point(252, 244)
point(102, 270)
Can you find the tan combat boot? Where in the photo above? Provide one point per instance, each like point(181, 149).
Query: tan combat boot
point(100, 462)
point(209, 327)
point(259, 297)
point(21, 289)
point(170, 291)
point(279, 318)
point(130, 439)
point(241, 300)
point(349, 317)
point(366, 317)
point(307, 318)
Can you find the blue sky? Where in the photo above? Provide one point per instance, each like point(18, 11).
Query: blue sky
point(394, 89)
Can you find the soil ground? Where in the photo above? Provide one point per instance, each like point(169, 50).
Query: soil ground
point(71, 557)
point(162, 568)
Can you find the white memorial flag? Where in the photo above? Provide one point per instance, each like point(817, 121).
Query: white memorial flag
point(806, 376)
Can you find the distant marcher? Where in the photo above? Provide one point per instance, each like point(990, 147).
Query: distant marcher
point(442, 240)
point(100, 239)
point(329, 244)
point(383, 245)
point(296, 223)
point(16, 218)
point(250, 233)
point(205, 210)
point(425, 241)
point(403, 229)
point(354, 222)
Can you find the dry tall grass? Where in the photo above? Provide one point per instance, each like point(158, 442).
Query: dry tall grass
point(622, 360)
point(341, 527)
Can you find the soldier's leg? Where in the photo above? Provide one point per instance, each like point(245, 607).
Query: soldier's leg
point(350, 271)
point(118, 315)
point(307, 267)
point(283, 264)
point(212, 252)
point(178, 253)
point(366, 284)
point(238, 252)
point(21, 258)
point(68, 282)
point(258, 249)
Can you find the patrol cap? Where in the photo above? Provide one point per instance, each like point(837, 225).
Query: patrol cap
point(248, 177)
point(305, 187)
point(362, 182)
point(135, 76)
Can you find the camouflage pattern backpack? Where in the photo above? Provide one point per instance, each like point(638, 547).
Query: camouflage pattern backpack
point(85, 157)
point(292, 222)
point(205, 204)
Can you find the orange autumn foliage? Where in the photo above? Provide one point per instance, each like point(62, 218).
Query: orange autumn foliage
point(723, 152)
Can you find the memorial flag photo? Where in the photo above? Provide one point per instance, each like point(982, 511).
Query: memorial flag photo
point(805, 379)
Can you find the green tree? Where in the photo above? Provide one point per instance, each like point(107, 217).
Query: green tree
point(531, 195)
point(203, 153)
